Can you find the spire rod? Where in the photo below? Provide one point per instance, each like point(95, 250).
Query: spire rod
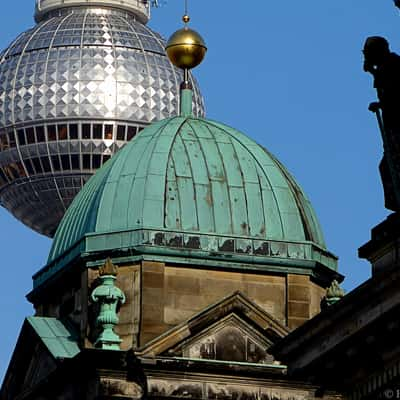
point(186, 50)
point(186, 17)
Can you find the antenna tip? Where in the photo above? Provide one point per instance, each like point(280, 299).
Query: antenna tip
point(186, 19)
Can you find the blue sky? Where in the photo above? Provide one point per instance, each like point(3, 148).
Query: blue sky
point(288, 74)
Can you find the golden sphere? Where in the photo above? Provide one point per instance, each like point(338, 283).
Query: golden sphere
point(186, 48)
point(186, 19)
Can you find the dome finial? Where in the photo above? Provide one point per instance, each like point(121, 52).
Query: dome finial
point(186, 49)
point(186, 17)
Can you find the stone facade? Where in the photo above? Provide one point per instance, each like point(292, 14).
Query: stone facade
point(169, 294)
point(187, 330)
point(352, 346)
point(161, 296)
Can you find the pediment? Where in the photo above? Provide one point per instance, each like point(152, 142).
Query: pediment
point(30, 363)
point(234, 329)
point(36, 355)
point(40, 366)
point(230, 339)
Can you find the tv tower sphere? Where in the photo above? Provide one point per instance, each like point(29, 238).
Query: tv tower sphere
point(73, 90)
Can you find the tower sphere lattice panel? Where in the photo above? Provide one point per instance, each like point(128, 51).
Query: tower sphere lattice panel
point(73, 90)
point(140, 8)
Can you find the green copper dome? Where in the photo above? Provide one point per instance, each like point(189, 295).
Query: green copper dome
point(192, 186)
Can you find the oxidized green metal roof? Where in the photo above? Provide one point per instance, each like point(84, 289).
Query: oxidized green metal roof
point(59, 340)
point(189, 176)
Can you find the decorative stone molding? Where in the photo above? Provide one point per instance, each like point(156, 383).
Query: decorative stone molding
point(117, 388)
point(227, 390)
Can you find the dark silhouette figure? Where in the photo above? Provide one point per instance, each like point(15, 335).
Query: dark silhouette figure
point(385, 68)
point(397, 3)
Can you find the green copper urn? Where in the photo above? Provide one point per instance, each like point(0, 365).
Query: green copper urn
point(109, 298)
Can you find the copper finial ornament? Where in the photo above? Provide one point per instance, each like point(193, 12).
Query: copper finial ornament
point(108, 268)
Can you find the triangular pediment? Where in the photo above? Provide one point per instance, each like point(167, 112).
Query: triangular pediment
point(41, 344)
point(234, 329)
point(230, 339)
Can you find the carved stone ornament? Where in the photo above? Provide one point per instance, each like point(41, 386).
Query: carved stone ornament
point(167, 388)
point(120, 389)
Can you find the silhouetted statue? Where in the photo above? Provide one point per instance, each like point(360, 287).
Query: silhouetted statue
point(385, 68)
